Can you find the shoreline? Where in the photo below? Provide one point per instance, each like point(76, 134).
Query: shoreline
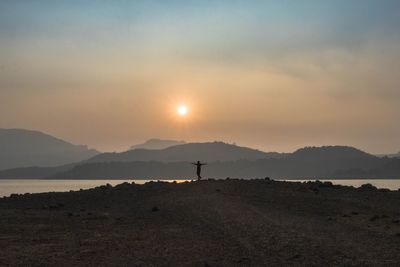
point(31, 186)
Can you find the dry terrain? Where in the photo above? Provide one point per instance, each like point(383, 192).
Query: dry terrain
point(207, 223)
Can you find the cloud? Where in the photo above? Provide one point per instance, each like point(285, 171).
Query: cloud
point(292, 71)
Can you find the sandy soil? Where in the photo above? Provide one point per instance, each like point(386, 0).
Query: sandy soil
point(207, 223)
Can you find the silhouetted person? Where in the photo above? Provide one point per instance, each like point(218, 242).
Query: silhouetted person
point(198, 171)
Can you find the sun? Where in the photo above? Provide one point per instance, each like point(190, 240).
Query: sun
point(182, 110)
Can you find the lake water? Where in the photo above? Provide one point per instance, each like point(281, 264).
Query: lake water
point(392, 184)
point(8, 187)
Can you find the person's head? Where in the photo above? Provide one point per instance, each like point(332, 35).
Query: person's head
point(198, 161)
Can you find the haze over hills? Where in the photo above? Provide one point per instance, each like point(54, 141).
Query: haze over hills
point(334, 153)
point(25, 148)
point(311, 162)
point(155, 143)
point(209, 152)
point(34, 172)
point(32, 155)
point(330, 161)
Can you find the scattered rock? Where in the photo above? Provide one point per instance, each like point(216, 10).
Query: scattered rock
point(154, 209)
point(315, 190)
point(368, 187)
point(53, 206)
point(244, 260)
point(354, 213)
point(295, 257)
point(374, 218)
point(327, 184)
point(124, 185)
point(104, 187)
point(302, 189)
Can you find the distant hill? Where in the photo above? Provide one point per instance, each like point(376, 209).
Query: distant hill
point(311, 162)
point(34, 172)
point(396, 155)
point(339, 153)
point(25, 148)
point(274, 168)
point(157, 144)
point(209, 152)
point(329, 161)
point(306, 163)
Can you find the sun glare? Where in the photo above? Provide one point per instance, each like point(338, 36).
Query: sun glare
point(182, 110)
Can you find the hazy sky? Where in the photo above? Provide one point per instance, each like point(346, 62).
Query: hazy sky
point(276, 75)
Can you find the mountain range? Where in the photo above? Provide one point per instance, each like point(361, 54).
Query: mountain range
point(25, 148)
point(157, 144)
point(210, 152)
point(224, 160)
point(311, 162)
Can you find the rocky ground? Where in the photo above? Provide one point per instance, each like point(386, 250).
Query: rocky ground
point(207, 223)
